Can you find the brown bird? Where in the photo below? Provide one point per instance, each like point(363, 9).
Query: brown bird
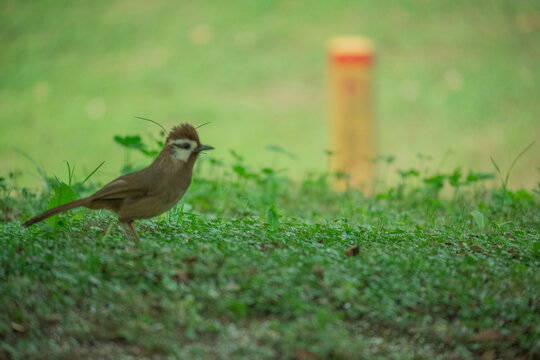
point(148, 192)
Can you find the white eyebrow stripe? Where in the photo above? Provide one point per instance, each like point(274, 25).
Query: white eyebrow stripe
point(181, 141)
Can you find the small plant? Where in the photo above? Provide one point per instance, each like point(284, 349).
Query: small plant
point(134, 142)
point(66, 192)
point(227, 265)
point(504, 179)
point(273, 219)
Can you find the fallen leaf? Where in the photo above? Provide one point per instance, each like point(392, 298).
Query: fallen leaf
point(232, 287)
point(318, 271)
point(487, 335)
point(304, 354)
point(489, 355)
point(190, 260)
point(476, 248)
point(54, 317)
point(353, 251)
point(270, 245)
point(412, 330)
point(182, 276)
point(18, 327)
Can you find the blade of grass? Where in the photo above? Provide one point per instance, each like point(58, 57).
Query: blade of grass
point(71, 172)
point(498, 170)
point(38, 168)
point(504, 181)
point(517, 158)
point(93, 172)
point(107, 232)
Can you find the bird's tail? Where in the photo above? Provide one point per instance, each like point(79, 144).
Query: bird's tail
point(56, 210)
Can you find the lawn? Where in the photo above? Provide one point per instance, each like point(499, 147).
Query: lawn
point(252, 264)
point(455, 80)
point(262, 258)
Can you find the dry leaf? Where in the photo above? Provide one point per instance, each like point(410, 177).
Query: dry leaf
point(18, 327)
point(489, 355)
point(318, 271)
point(182, 276)
point(487, 335)
point(190, 260)
point(305, 354)
point(232, 287)
point(476, 248)
point(270, 245)
point(54, 317)
point(353, 251)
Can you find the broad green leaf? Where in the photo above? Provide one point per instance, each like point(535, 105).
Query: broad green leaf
point(453, 178)
point(436, 181)
point(273, 219)
point(478, 219)
point(405, 174)
point(62, 195)
point(130, 142)
point(474, 176)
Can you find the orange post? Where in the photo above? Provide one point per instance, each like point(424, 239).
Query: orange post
point(351, 123)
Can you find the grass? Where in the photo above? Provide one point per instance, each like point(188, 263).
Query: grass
point(262, 259)
point(452, 77)
point(253, 264)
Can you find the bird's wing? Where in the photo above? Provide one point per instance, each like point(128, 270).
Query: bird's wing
point(120, 188)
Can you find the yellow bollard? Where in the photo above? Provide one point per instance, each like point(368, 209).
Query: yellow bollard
point(351, 123)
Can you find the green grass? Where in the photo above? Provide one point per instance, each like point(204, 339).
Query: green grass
point(253, 264)
point(452, 77)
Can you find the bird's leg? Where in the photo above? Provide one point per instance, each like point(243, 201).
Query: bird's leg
point(124, 229)
point(130, 224)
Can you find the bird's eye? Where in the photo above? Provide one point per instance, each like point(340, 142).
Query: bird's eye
point(183, 146)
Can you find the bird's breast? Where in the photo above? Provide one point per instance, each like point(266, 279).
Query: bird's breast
point(165, 191)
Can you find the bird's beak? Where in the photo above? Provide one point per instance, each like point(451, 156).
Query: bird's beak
point(202, 148)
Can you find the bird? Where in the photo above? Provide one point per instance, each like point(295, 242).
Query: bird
point(148, 192)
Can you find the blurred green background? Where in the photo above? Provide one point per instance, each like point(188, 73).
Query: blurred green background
point(455, 80)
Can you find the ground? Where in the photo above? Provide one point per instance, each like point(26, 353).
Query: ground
point(258, 265)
